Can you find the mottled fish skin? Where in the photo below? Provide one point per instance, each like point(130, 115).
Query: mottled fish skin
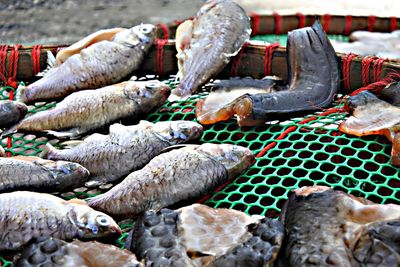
point(87, 110)
point(323, 226)
point(102, 63)
point(56, 252)
point(27, 215)
point(11, 112)
point(109, 157)
point(217, 33)
point(36, 174)
point(180, 174)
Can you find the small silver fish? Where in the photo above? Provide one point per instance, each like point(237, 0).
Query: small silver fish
point(206, 44)
point(101, 59)
point(109, 157)
point(26, 215)
point(177, 175)
point(33, 173)
point(11, 112)
point(91, 109)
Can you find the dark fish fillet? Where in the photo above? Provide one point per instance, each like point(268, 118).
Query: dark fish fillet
point(11, 112)
point(391, 94)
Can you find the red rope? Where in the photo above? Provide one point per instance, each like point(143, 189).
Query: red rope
point(393, 23)
point(346, 70)
point(302, 19)
point(269, 50)
point(12, 68)
point(236, 62)
point(377, 87)
point(378, 64)
point(256, 23)
point(35, 55)
point(164, 29)
point(371, 22)
point(160, 43)
point(327, 21)
point(365, 67)
point(347, 27)
point(278, 23)
point(3, 58)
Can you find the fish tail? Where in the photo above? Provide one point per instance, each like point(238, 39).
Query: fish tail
point(21, 95)
point(48, 151)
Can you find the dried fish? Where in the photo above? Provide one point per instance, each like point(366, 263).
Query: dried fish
point(27, 215)
point(91, 109)
point(391, 93)
point(11, 112)
point(109, 157)
point(177, 175)
point(206, 44)
point(36, 174)
point(101, 59)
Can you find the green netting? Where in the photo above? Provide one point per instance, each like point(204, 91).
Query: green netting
point(281, 38)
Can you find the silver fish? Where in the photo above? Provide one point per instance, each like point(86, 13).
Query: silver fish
point(109, 157)
point(101, 59)
point(27, 215)
point(91, 109)
point(206, 44)
point(177, 175)
point(11, 112)
point(33, 173)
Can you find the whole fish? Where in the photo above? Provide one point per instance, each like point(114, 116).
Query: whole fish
point(177, 175)
point(324, 227)
point(109, 157)
point(198, 235)
point(370, 115)
point(314, 80)
point(36, 174)
point(91, 109)
point(56, 252)
point(11, 112)
point(27, 215)
point(101, 59)
point(206, 44)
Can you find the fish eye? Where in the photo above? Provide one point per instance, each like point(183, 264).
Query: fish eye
point(184, 126)
point(151, 85)
point(102, 221)
point(146, 30)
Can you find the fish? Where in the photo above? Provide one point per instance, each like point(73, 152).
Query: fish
point(103, 58)
point(198, 235)
point(206, 44)
point(26, 215)
point(109, 157)
point(92, 109)
point(57, 252)
point(370, 115)
point(391, 94)
point(314, 80)
point(323, 227)
point(11, 112)
point(188, 172)
point(37, 174)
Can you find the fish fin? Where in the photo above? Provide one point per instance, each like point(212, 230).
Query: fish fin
point(47, 150)
point(71, 134)
point(77, 201)
point(21, 94)
point(95, 183)
point(102, 35)
point(71, 143)
point(170, 148)
point(50, 64)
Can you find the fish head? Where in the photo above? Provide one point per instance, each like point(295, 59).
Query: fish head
point(235, 158)
point(91, 223)
point(176, 132)
point(143, 34)
point(15, 107)
point(149, 94)
point(360, 100)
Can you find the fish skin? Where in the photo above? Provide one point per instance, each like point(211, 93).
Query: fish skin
point(217, 33)
point(36, 174)
point(11, 112)
point(177, 175)
point(101, 64)
point(109, 157)
point(26, 215)
point(391, 93)
point(56, 252)
point(323, 226)
point(91, 109)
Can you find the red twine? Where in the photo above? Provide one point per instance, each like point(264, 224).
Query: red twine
point(269, 50)
point(278, 23)
point(377, 87)
point(3, 58)
point(327, 21)
point(393, 23)
point(346, 70)
point(378, 64)
point(347, 27)
point(302, 20)
point(160, 43)
point(371, 22)
point(164, 29)
point(256, 23)
point(365, 67)
point(36, 59)
point(236, 62)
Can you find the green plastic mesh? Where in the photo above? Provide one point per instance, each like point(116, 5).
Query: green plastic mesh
point(281, 38)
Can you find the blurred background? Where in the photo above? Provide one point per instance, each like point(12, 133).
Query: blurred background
point(66, 21)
